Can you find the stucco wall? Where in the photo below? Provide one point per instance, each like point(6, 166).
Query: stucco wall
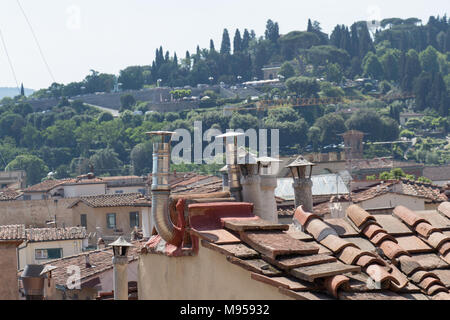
point(36, 212)
point(84, 190)
point(132, 189)
point(207, 276)
point(9, 287)
point(96, 217)
point(27, 251)
point(391, 200)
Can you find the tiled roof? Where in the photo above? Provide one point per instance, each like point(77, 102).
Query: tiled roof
point(114, 200)
point(45, 186)
point(100, 261)
point(48, 185)
point(12, 232)
point(353, 258)
point(7, 194)
point(55, 234)
point(381, 163)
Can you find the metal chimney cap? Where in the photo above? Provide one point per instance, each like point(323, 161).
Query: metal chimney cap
point(47, 269)
point(300, 162)
point(230, 134)
point(121, 242)
point(160, 133)
point(267, 159)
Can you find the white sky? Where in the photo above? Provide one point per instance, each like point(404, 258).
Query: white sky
point(108, 35)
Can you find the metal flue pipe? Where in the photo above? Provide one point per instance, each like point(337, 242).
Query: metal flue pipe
point(234, 179)
point(160, 188)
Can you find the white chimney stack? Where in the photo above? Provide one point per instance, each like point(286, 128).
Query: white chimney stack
point(268, 184)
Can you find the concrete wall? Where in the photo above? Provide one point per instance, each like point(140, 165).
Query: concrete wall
point(207, 276)
point(391, 200)
point(36, 212)
point(27, 251)
point(9, 285)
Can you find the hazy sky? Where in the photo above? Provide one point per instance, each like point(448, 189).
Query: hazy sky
point(108, 35)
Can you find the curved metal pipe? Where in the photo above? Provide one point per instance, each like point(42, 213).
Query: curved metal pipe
point(160, 190)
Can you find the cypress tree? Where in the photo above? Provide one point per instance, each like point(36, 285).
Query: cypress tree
point(225, 47)
point(22, 90)
point(211, 46)
point(237, 42)
point(245, 40)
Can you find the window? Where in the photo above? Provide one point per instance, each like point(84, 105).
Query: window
point(141, 191)
point(134, 219)
point(119, 191)
point(41, 254)
point(27, 197)
point(111, 220)
point(83, 221)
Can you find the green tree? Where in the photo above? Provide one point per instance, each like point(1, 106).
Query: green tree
point(127, 101)
point(106, 161)
point(372, 67)
point(286, 70)
point(141, 158)
point(132, 78)
point(331, 125)
point(429, 60)
point(34, 167)
point(303, 86)
point(225, 47)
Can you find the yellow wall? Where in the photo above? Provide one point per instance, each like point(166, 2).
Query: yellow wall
point(96, 217)
point(207, 276)
point(27, 251)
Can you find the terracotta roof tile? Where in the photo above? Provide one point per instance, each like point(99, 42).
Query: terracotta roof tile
point(55, 234)
point(408, 265)
point(310, 273)
point(418, 276)
point(291, 262)
point(381, 275)
point(437, 239)
point(12, 232)
point(240, 250)
point(336, 244)
point(436, 219)
point(430, 261)
point(350, 255)
point(8, 194)
point(372, 230)
point(444, 276)
point(392, 250)
point(408, 216)
point(392, 225)
point(113, 200)
point(362, 243)
point(444, 208)
point(100, 261)
point(274, 244)
point(319, 229)
point(334, 283)
point(380, 237)
point(284, 282)
point(303, 217)
point(358, 216)
point(342, 227)
point(413, 244)
point(425, 229)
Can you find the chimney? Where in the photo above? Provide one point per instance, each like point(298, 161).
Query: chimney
point(88, 260)
point(250, 182)
point(100, 244)
point(33, 281)
point(302, 183)
point(160, 190)
point(120, 263)
point(234, 182)
point(268, 184)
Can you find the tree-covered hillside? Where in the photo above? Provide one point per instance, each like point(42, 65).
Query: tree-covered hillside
point(402, 58)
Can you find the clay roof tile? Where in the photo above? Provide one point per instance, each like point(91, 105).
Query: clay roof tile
point(334, 283)
point(358, 215)
point(408, 216)
point(444, 208)
point(303, 217)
